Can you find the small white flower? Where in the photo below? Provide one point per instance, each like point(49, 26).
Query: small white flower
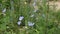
point(19, 22)
point(25, 2)
point(4, 10)
point(21, 18)
point(30, 24)
point(7, 26)
point(32, 15)
point(25, 27)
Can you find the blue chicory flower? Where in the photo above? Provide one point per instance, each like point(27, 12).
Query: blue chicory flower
point(21, 18)
point(19, 22)
point(30, 24)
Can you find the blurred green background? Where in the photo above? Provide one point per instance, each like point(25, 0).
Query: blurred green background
point(46, 20)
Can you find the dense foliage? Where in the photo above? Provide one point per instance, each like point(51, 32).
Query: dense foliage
point(21, 17)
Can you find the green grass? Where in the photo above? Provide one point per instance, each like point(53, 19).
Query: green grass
point(46, 21)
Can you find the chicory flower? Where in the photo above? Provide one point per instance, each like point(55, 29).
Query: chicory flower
point(19, 22)
point(30, 24)
point(21, 18)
